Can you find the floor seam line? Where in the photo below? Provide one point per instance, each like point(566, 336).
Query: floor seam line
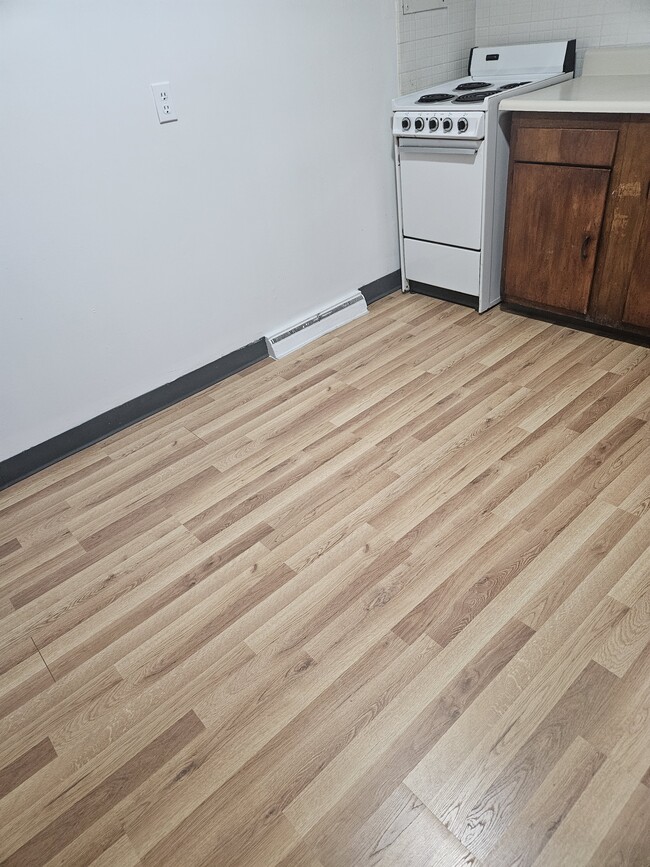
point(43, 658)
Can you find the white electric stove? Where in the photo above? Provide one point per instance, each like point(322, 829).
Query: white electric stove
point(451, 155)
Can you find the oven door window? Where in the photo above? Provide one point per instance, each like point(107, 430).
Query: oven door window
point(442, 195)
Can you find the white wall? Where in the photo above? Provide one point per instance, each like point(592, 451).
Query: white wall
point(592, 22)
point(133, 253)
point(435, 45)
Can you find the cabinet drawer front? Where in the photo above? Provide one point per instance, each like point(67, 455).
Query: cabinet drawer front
point(573, 147)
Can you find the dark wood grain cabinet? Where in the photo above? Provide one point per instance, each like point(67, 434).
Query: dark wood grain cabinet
point(577, 242)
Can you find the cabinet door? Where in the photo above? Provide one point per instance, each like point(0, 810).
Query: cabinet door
point(637, 305)
point(554, 221)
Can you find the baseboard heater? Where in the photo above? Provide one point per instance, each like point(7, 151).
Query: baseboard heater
point(292, 338)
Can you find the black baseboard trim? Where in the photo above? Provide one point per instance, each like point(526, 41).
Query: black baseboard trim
point(88, 433)
point(443, 294)
point(45, 454)
point(382, 287)
point(576, 324)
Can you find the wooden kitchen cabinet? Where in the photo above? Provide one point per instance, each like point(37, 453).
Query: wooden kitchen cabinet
point(577, 241)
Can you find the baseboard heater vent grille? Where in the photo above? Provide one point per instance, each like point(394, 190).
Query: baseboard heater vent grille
point(302, 333)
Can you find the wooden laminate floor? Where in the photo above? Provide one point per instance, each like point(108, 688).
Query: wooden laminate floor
point(386, 602)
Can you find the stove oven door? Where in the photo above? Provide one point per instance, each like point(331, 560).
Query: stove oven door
point(442, 191)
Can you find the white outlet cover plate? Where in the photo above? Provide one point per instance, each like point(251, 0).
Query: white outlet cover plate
point(422, 5)
point(162, 97)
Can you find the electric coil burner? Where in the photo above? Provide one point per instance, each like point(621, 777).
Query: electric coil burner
point(435, 97)
point(451, 157)
point(475, 97)
point(473, 85)
point(513, 84)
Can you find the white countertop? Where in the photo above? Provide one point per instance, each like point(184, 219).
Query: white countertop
point(620, 94)
point(614, 81)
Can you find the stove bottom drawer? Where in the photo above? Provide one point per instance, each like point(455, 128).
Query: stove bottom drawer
point(446, 267)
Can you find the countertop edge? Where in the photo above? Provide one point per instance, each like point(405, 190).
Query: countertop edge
point(574, 106)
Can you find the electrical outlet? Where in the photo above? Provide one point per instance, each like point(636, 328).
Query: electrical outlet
point(164, 105)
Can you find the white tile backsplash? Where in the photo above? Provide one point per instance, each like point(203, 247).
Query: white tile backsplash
point(591, 22)
point(434, 46)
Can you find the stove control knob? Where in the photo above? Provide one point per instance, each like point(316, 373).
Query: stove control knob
point(463, 124)
point(447, 124)
point(406, 123)
point(434, 123)
point(419, 124)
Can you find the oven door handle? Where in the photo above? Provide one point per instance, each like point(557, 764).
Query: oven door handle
point(449, 151)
